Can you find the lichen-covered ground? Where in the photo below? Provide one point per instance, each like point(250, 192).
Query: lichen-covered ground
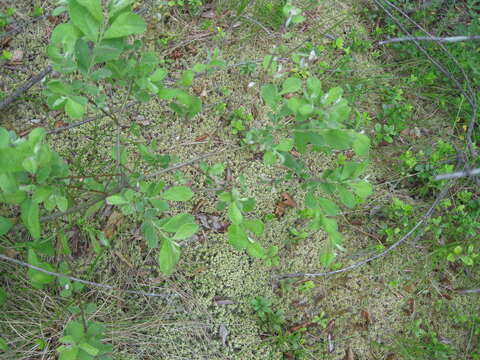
point(213, 284)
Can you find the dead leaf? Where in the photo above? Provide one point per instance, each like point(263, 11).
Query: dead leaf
point(202, 138)
point(391, 356)
point(209, 14)
point(287, 200)
point(218, 300)
point(411, 306)
point(349, 353)
point(331, 345)
point(55, 20)
point(295, 153)
point(365, 319)
point(59, 124)
point(175, 54)
point(17, 57)
point(223, 333)
point(212, 222)
point(279, 210)
point(112, 224)
point(198, 206)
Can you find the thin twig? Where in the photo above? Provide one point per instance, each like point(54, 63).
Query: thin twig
point(74, 125)
point(469, 291)
point(86, 282)
point(449, 39)
point(25, 87)
point(458, 174)
point(424, 218)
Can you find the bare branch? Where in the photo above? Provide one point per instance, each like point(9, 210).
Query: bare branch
point(422, 221)
point(25, 87)
point(458, 174)
point(450, 39)
point(469, 291)
point(86, 282)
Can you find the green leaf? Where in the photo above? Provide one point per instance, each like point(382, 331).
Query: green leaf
point(174, 223)
point(178, 193)
point(158, 75)
point(89, 349)
point(82, 54)
point(237, 236)
point(269, 157)
point(38, 278)
point(75, 329)
point(83, 20)
point(30, 164)
point(61, 202)
point(148, 230)
point(337, 139)
point(169, 256)
point(291, 85)
point(270, 95)
point(185, 231)
point(100, 74)
point(333, 95)
point(234, 214)
point(187, 78)
point(328, 206)
point(30, 218)
point(116, 200)
point(94, 8)
point(347, 198)
point(361, 145)
point(116, 6)
point(3, 344)
point(256, 250)
point(5, 226)
point(41, 194)
point(3, 296)
point(362, 188)
point(74, 109)
point(126, 24)
point(351, 170)
point(158, 204)
point(4, 138)
point(65, 35)
point(314, 87)
point(285, 145)
point(68, 352)
point(255, 225)
point(327, 258)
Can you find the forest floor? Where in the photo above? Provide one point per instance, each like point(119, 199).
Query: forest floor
point(370, 310)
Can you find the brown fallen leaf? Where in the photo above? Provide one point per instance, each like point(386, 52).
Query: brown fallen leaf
point(17, 57)
point(209, 14)
point(295, 153)
point(113, 222)
point(411, 306)
point(287, 200)
point(202, 137)
point(391, 356)
point(365, 319)
point(59, 123)
point(330, 337)
point(349, 353)
point(198, 206)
